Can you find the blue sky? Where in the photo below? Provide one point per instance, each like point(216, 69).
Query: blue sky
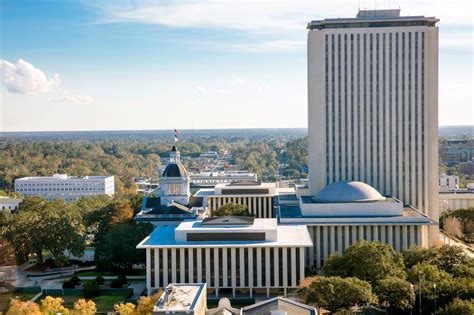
point(97, 65)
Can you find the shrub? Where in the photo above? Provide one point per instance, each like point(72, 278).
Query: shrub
point(123, 279)
point(91, 289)
point(459, 307)
point(75, 280)
point(116, 283)
point(68, 284)
point(100, 280)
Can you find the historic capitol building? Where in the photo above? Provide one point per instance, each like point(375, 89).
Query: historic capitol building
point(371, 157)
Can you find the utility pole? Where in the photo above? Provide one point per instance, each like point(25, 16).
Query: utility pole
point(434, 287)
point(419, 303)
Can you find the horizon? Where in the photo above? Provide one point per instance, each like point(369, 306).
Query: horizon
point(111, 65)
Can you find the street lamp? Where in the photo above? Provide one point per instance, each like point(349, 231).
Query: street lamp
point(419, 279)
point(434, 287)
point(411, 308)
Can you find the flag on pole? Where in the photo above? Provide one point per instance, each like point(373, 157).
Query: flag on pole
point(176, 135)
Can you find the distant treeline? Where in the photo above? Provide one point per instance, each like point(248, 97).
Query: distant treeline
point(130, 157)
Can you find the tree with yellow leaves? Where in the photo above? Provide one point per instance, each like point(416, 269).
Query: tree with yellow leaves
point(51, 305)
point(83, 307)
point(18, 307)
point(146, 303)
point(125, 309)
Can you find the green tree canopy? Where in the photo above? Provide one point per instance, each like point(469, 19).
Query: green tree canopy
point(458, 307)
point(336, 293)
point(369, 261)
point(231, 209)
point(395, 293)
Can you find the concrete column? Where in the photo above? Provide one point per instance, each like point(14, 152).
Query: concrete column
point(397, 237)
point(199, 265)
point(165, 267)
point(267, 267)
point(354, 234)
point(208, 267)
point(250, 271)
point(173, 265)
point(404, 237)
point(383, 239)
point(325, 243)
point(339, 239)
point(259, 210)
point(285, 267)
point(216, 268)
point(419, 235)
point(412, 235)
point(368, 228)
point(332, 243)
point(390, 235)
point(361, 233)
point(254, 206)
point(190, 265)
point(156, 257)
point(224, 268)
point(276, 267)
point(375, 233)
point(293, 266)
point(148, 271)
point(318, 247)
point(301, 264)
point(346, 237)
point(182, 267)
point(311, 251)
point(242, 266)
point(259, 267)
point(233, 273)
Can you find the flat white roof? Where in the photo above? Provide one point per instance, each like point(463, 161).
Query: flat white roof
point(179, 297)
point(259, 225)
point(287, 236)
point(62, 178)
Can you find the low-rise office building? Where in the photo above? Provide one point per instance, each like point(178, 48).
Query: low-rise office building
point(62, 186)
point(230, 254)
point(11, 204)
point(455, 200)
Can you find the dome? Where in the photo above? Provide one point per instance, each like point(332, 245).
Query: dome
point(348, 191)
point(175, 170)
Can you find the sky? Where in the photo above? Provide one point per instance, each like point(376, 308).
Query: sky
point(188, 64)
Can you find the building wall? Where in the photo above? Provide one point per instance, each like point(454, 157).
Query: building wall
point(245, 269)
point(331, 239)
point(455, 201)
point(259, 206)
point(68, 189)
point(373, 116)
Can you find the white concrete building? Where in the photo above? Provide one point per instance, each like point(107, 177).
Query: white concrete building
point(230, 254)
point(182, 299)
point(65, 187)
point(345, 212)
point(448, 182)
point(11, 204)
point(373, 104)
point(211, 179)
point(459, 199)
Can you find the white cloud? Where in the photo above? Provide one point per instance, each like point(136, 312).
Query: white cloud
point(73, 99)
point(23, 78)
point(201, 90)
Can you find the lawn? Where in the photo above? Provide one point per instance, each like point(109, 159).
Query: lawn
point(5, 299)
point(104, 303)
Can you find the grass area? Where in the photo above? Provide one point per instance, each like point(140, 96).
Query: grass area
point(104, 303)
point(5, 299)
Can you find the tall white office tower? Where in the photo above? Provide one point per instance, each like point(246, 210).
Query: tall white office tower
point(373, 104)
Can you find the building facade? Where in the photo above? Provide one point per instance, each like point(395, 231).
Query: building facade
point(62, 186)
point(230, 254)
point(345, 212)
point(373, 104)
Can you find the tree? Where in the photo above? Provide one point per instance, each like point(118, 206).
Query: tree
point(83, 307)
point(91, 289)
point(336, 293)
point(449, 257)
point(395, 293)
point(415, 254)
point(125, 309)
point(52, 226)
point(117, 249)
point(231, 209)
point(107, 217)
point(452, 226)
point(18, 307)
point(458, 307)
point(146, 303)
point(53, 305)
point(369, 261)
